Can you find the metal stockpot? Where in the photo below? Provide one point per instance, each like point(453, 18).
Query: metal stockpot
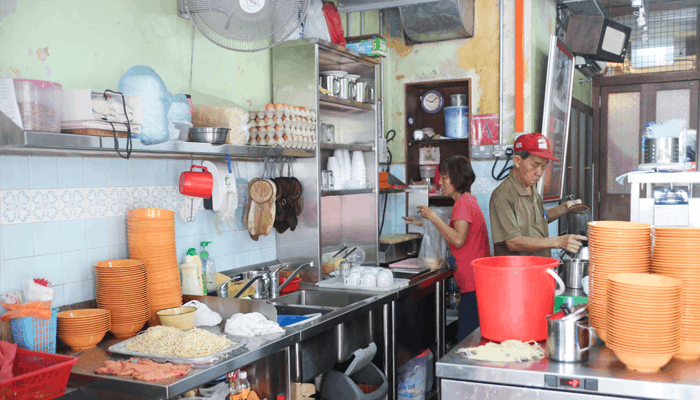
point(569, 336)
point(572, 271)
point(364, 92)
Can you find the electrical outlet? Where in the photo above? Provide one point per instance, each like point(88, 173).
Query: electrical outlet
point(499, 150)
point(481, 152)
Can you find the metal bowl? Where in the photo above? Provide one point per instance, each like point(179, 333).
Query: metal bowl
point(209, 135)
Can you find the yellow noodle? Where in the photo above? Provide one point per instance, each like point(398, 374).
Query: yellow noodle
point(171, 341)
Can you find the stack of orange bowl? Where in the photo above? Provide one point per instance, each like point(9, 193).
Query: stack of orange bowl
point(676, 255)
point(83, 329)
point(121, 286)
point(151, 234)
point(615, 247)
point(644, 319)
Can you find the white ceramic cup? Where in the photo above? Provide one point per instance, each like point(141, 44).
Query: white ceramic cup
point(353, 279)
point(359, 270)
point(368, 279)
point(385, 278)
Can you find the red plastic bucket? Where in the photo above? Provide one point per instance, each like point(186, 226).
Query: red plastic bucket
point(514, 296)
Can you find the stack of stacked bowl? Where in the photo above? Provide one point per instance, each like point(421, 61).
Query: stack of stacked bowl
point(676, 255)
point(83, 329)
point(644, 319)
point(151, 235)
point(615, 247)
point(121, 286)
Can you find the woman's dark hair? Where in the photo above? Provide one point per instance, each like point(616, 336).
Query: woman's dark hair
point(459, 169)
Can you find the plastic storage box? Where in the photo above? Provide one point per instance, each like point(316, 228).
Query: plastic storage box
point(33, 333)
point(39, 104)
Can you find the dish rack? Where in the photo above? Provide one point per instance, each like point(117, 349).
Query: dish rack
point(38, 376)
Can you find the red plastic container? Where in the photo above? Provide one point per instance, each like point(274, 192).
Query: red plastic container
point(37, 375)
point(514, 296)
point(291, 287)
point(196, 184)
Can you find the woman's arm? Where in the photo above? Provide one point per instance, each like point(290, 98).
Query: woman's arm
point(455, 236)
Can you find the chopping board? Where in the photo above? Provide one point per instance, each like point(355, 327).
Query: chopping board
point(399, 238)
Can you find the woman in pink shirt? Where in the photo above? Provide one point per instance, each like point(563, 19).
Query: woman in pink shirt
point(466, 234)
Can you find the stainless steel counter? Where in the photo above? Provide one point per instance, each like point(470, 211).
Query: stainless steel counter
point(256, 348)
point(677, 380)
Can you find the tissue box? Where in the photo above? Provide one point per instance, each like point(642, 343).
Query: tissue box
point(77, 105)
point(375, 47)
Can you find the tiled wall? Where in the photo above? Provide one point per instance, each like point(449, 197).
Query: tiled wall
point(59, 215)
point(481, 189)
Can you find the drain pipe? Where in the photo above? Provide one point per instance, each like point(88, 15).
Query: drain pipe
point(501, 100)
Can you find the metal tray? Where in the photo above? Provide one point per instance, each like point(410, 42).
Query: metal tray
point(207, 360)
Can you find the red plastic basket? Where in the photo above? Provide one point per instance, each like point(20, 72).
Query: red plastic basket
point(37, 375)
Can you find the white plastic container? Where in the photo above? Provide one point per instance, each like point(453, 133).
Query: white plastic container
point(39, 104)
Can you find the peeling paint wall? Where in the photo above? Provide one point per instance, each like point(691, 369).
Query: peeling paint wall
point(475, 58)
point(90, 44)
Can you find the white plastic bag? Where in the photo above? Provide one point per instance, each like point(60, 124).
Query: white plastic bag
point(218, 392)
point(36, 292)
point(204, 316)
point(315, 25)
point(433, 249)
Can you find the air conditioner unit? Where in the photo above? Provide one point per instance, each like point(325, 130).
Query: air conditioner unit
point(588, 67)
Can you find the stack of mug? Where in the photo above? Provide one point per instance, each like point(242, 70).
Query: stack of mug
point(348, 87)
point(369, 277)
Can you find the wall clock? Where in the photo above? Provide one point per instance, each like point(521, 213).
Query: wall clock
point(432, 102)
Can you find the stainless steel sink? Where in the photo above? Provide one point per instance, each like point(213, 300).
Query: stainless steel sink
point(289, 309)
point(321, 298)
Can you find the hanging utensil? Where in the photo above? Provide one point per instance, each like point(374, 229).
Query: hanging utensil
point(350, 252)
point(341, 250)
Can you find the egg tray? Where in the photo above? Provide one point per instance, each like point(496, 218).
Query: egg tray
point(287, 124)
point(293, 142)
point(282, 111)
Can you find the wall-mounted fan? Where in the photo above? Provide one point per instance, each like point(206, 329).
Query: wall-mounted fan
point(245, 25)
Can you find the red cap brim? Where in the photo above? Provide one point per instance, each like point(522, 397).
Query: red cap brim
point(544, 154)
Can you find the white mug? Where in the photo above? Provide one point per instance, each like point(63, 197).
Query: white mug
point(368, 279)
point(353, 279)
point(385, 278)
point(359, 270)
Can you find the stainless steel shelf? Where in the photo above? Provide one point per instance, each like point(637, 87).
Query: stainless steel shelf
point(392, 191)
point(345, 192)
point(13, 139)
point(337, 104)
point(351, 147)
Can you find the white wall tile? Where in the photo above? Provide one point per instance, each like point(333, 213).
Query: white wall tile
point(255, 256)
point(14, 172)
point(139, 197)
point(95, 172)
point(96, 255)
point(158, 173)
point(72, 203)
point(43, 173)
point(46, 205)
point(119, 201)
point(74, 265)
point(73, 235)
point(117, 172)
point(117, 231)
point(241, 260)
point(17, 241)
point(98, 232)
point(76, 292)
point(118, 252)
point(18, 269)
point(96, 202)
point(15, 206)
point(139, 173)
point(58, 297)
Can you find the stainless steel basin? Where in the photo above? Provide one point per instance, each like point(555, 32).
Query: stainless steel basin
point(321, 298)
point(289, 309)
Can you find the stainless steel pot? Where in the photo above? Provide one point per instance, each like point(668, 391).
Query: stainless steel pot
point(365, 92)
point(348, 88)
point(330, 83)
point(569, 336)
point(572, 271)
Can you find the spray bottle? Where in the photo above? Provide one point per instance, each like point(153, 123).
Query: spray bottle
point(208, 268)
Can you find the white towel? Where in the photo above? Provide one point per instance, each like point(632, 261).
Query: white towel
point(251, 324)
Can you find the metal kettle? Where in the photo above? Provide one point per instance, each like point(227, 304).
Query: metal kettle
point(569, 336)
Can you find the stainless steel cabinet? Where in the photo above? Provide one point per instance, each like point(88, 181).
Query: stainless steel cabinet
point(338, 217)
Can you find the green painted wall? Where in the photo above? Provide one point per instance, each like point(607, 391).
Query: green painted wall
point(90, 44)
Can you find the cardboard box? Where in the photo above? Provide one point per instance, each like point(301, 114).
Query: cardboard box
point(375, 47)
point(77, 105)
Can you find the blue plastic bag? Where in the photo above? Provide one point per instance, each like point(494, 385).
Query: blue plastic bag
point(145, 82)
point(416, 377)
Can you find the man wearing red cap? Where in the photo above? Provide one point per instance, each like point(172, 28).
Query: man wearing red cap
point(518, 218)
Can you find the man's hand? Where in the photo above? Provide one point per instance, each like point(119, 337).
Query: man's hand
point(571, 243)
point(571, 203)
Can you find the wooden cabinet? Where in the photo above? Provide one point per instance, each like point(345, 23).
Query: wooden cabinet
point(418, 118)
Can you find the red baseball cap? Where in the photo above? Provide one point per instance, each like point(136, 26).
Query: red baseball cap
point(536, 144)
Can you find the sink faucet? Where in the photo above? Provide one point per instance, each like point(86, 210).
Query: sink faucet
point(275, 287)
point(270, 282)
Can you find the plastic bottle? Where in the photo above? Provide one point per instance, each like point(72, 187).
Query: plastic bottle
point(646, 135)
point(192, 257)
point(239, 387)
point(208, 268)
point(191, 277)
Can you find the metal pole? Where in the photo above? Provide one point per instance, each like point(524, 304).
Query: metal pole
point(349, 23)
point(362, 23)
point(380, 104)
